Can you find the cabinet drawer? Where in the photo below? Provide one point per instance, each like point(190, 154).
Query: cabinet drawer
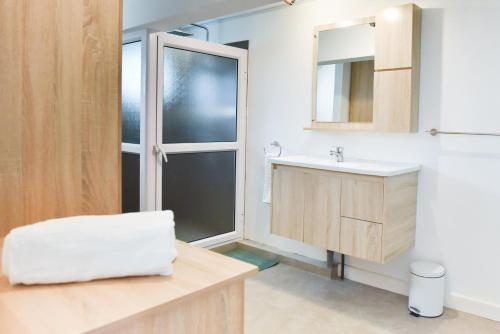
point(362, 198)
point(361, 239)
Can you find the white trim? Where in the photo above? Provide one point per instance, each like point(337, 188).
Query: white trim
point(217, 240)
point(200, 147)
point(142, 37)
point(151, 162)
point(156, 77)
point(454, 300)
point(197, 45)
point(474, 306)
point(159, 118)
point(131, 148)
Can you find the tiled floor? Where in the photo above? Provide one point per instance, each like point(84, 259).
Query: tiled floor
point(287, 300)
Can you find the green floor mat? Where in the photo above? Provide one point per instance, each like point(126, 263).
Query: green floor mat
point(260, 261)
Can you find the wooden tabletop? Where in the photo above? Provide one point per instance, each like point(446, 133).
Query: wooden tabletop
point(81, 307)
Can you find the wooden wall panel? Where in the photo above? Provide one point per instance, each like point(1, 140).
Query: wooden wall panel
point(11, 205)
point(50, 104)
point(52, 83)
point(101, 121)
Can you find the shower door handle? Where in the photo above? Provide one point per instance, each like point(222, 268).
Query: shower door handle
point(160, 152)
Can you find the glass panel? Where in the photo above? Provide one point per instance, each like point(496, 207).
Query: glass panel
point(130, 182)
point(200, 97)
point(200, 189)
point(131, 92)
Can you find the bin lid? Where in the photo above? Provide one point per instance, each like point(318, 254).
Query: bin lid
point(427, 269)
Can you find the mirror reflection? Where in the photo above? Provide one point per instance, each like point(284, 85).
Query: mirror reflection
point(345, 68)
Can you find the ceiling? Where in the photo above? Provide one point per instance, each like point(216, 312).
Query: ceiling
point(164, 14)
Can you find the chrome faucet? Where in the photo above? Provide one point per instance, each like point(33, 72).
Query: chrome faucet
point(338, 152)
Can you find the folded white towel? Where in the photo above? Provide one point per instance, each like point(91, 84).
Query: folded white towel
point(268, 172)
point(84, 248)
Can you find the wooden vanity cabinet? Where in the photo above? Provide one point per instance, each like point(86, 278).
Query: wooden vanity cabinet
point(368, 217)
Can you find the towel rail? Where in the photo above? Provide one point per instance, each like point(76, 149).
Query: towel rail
point(275, 144)
point(435, 132)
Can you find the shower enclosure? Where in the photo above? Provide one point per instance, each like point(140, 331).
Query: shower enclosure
point(192, 153)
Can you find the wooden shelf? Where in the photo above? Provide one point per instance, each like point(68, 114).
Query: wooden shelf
point(326, 126)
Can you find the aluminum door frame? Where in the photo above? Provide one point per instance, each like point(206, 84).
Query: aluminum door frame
point(157, 42)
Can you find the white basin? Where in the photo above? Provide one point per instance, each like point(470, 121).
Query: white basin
point(355, 166)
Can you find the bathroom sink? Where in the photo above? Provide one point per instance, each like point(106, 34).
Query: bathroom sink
point(355, 166)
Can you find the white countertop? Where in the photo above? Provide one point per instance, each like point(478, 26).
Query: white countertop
point(355, 166)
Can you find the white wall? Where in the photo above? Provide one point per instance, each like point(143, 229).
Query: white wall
point(163, 14)
point(459, 186)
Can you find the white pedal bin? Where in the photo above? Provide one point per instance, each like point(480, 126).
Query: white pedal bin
point(426, 297)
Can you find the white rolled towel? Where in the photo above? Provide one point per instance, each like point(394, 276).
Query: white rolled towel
point(268, 174)
point(84, 248)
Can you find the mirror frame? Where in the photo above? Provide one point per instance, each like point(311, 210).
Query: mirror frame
point(316, 125)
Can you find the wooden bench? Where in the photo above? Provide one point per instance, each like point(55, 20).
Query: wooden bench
point(204, 295)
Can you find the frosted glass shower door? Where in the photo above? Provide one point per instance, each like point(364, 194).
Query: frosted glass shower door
point(200, 136)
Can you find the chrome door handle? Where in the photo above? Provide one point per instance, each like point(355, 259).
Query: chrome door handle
point(159, 151)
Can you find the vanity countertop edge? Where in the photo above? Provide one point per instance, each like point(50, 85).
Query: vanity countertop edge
point(352, 166)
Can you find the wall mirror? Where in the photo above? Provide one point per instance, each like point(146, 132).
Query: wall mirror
point(343, 72)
